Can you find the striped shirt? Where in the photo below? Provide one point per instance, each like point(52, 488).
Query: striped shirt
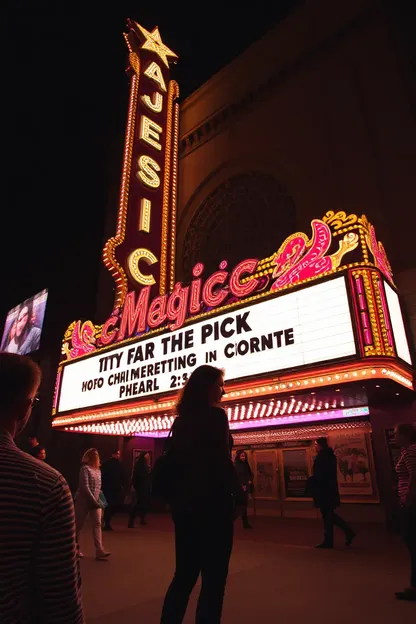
point(39, 570)
point(405, 469)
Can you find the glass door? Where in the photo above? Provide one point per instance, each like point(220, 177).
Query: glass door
point(266, 481)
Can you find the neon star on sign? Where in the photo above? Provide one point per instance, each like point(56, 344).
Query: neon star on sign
point(154, 43)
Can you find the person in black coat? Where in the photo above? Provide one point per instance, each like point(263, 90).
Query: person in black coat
point(205, 498)
point(142, 486)
point(324, 486)
point(245, 477)
point(112, 485)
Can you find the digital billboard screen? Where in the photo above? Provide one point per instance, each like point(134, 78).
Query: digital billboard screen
point(23, 327)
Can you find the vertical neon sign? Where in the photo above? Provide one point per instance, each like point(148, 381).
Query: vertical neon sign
point(142, 253)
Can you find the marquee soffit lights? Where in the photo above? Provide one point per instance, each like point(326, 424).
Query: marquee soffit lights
point(254, 414)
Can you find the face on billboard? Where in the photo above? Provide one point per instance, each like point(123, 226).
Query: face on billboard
point(23, 328)
point(297, 329)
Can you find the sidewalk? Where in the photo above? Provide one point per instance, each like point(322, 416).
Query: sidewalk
point(276, 576)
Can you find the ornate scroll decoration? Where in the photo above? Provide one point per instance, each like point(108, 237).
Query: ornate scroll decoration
point(80, 339)
point(377, 251)
point(299, 258)
point(338, 220)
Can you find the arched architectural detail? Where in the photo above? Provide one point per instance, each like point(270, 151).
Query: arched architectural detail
point(249, 214)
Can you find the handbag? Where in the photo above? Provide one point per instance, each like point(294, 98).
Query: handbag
point(102, 500)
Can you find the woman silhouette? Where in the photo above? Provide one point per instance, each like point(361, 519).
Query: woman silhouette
point(205, 496)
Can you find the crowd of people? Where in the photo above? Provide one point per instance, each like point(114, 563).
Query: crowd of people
point(41, 524)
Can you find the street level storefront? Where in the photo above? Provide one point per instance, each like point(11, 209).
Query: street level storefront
point(312, 338)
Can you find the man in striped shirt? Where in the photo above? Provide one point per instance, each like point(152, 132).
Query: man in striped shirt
point(39, 571)
point(406, 475)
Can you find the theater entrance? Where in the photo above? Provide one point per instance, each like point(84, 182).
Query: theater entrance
point(280, 479)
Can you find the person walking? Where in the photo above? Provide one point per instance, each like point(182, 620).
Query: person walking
point(141, 484)
point(39, 568)
point(406, 476)
point(324, 485)
point(245, 477)
point(88, 502)
point(205, 491)
point(34, 446)
point(112, 486)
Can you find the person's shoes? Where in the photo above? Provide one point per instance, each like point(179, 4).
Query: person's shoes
point(143, 522)
point(407, 594)
point(80, 554)
point(350, 538)
point(324, 545)
point(247, 526)
point(108, 527)
point(103, 556)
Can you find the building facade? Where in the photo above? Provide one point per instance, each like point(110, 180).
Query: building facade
point(311, 127)
point(319, 114)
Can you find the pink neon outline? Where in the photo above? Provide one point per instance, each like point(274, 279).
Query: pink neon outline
point(365, 322)
point(354, 297)
point(56, 392)
point(386, 314)
point(302, 418)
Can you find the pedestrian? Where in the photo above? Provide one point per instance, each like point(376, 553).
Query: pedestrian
point(245, 478)
point(112, 486)
point(41, 453)
point(141, 484)
point(34, 445)
point(39, 570)
point(324, 487)
point(89, 502)
point(204, 495)
point(406, 475)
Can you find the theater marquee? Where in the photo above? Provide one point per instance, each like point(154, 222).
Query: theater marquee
point(320, 309)
point(298, 329)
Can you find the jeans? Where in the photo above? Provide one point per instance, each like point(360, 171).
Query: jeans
point(203, 544)
point(408, 517)
point(330, 519)
point(82, 511)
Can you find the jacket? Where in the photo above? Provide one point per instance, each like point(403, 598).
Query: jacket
point(324, 482)
point(204, 475)
point(244, 472)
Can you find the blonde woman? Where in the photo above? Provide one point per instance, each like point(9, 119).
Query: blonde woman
point(87, 500)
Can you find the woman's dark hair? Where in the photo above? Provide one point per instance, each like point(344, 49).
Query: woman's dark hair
point(408, 431)
point(195, 395)
point(322, 442)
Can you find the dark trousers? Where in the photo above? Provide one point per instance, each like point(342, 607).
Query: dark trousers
point(140, 507)
point(109, 512)
point(408, 517)
point(244, 516)
point(330, 519)
point(203, 545)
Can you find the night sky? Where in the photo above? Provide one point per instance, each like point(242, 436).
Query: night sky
point(66, 95)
